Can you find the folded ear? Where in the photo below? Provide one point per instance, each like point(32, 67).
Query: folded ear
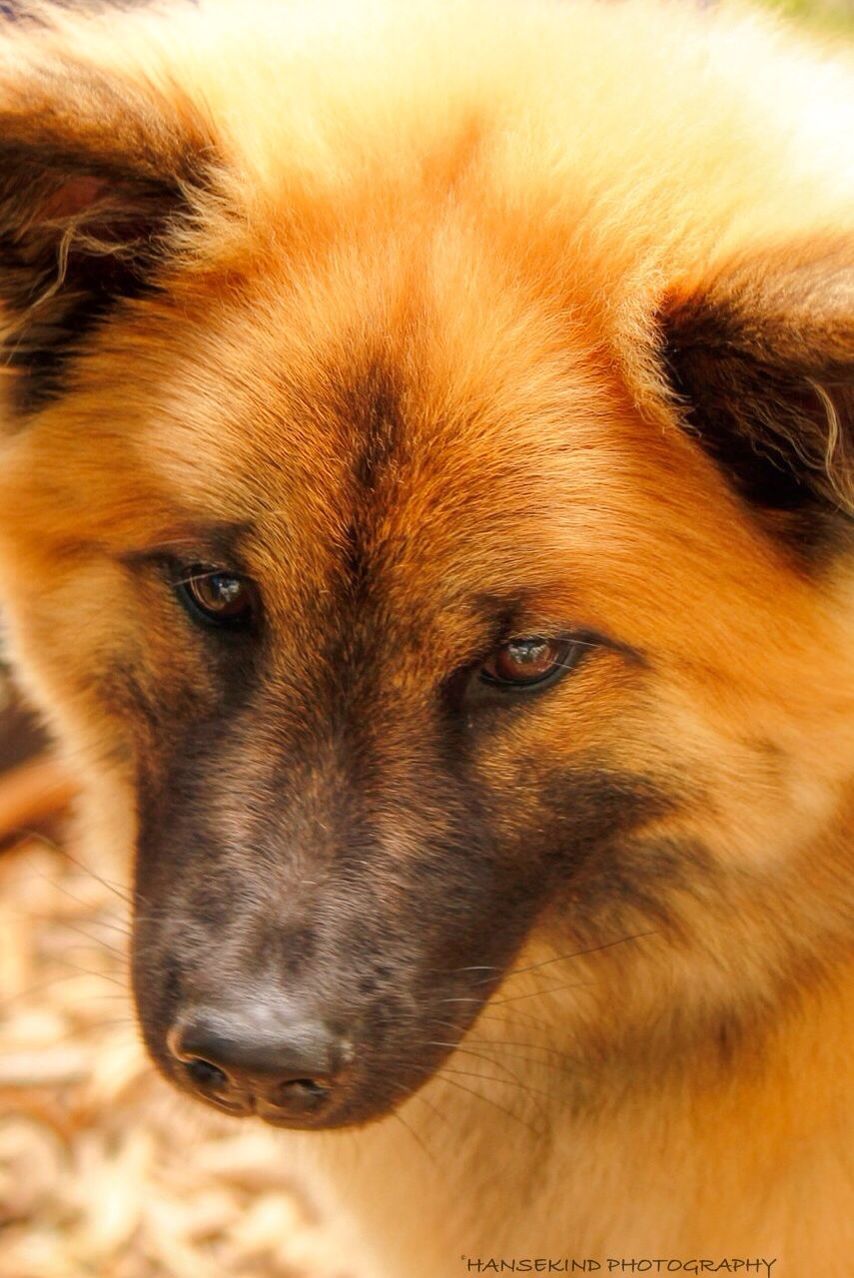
point(762, 357)
point(94, 172)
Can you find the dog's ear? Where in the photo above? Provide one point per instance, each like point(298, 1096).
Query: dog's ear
point(762, 359)
point(95, 173)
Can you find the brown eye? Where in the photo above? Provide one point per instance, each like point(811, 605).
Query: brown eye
point(215, 596)
point(525, 662)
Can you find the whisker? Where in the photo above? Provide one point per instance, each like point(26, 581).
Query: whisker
point(455, 971)
point(512, 1042)
point(111, 887)
point(514, 1018)
point(466, 1051)
point(594, 949)
point(461, 1000)
point(489, 1100)
point(44, 985)
point(87, 905)
point(503, 1082)
point(430, 1104)
point(507, 1042)
point(555, 989)
point(562, 1065)
point(102, 976)
point(97, 941)
point(418, 1140)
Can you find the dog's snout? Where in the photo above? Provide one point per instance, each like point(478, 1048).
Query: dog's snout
point(281, 1063)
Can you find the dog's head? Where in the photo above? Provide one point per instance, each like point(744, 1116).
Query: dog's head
point(432, 554)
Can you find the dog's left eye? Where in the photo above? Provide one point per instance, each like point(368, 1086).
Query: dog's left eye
point(527, 662)
point(215, 596)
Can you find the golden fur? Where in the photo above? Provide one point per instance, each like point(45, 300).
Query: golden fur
point(506, 205)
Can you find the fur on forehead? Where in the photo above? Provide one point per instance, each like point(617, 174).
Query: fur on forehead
point(175, 156)
point(343, 112)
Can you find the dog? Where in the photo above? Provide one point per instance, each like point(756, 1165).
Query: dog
point(425, 524)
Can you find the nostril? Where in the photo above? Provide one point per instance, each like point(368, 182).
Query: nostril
point(205, 1074)
point(286, 1065)
point(301, 1094)
point(200, 1071)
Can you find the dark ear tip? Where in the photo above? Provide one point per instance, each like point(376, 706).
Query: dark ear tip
point(761, 364)
point(90, 184)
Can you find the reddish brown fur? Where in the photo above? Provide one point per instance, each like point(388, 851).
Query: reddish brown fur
point(500, 332)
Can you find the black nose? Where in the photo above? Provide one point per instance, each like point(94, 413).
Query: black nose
point(259, 1057)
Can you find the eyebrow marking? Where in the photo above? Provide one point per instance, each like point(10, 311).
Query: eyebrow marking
point(206, 542)
point(508, 617)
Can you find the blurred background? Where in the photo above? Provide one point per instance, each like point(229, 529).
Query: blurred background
point(817, 15)
point(104, 1173)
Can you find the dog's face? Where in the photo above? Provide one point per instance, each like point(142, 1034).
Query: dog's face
point(363, 557)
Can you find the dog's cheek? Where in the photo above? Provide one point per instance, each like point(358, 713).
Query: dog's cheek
point(108, 655)
point(563, 828)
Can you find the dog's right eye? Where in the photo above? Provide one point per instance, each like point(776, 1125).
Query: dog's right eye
point(215, 596)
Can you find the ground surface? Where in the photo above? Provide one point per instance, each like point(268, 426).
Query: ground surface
point(103, 1172)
